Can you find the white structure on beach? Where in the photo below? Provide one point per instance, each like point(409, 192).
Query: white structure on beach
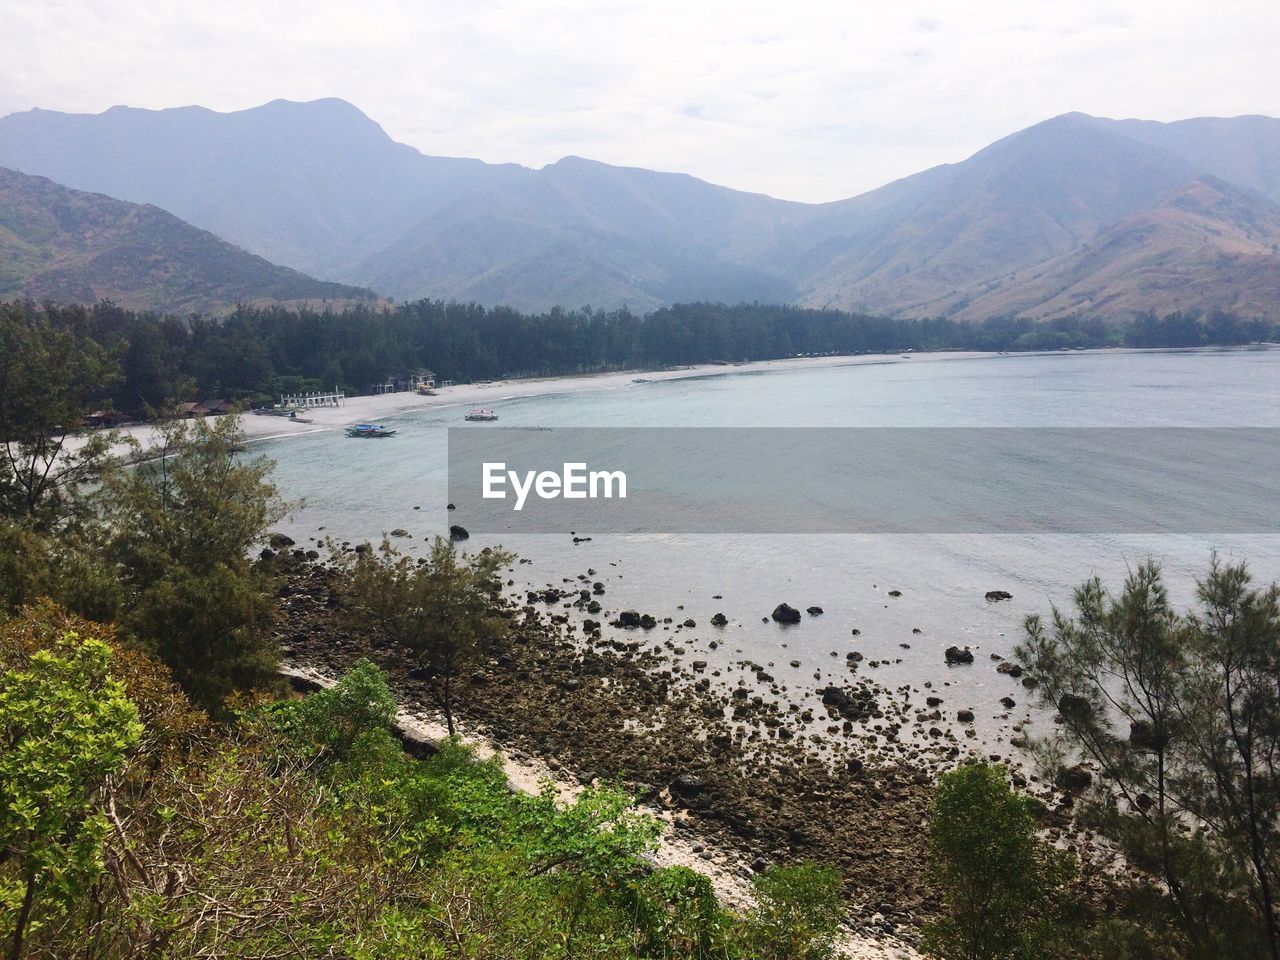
point(310, 400)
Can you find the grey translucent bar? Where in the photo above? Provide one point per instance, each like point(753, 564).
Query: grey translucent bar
point(874, 480)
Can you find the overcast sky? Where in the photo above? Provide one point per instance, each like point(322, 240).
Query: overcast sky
point(805, 100)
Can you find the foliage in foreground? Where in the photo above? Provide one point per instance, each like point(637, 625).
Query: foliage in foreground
point(1181, 715)
point(65, 727)
point(301, 829)
point(440, 609)
point(162, 548)
point(999, 881)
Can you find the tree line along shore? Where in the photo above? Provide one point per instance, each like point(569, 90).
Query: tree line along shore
point(163, 794)
point(255, 355)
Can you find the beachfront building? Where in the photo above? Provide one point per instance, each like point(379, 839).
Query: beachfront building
point(205, 408)
point(415, 380)
point(408, 382)
point(106, 419)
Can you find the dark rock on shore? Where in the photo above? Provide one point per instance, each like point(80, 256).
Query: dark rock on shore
point(785, 613)
point(630, 619)
point(1009, 668)
point(954, 655)
point(719, 620)
point(278, 541)
point(687, 786)
point(1074, 779)
point(855, 704)
point(995, 596)
point(457, 533)
point(814, 611)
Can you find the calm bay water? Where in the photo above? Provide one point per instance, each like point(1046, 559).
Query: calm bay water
point(357, 490)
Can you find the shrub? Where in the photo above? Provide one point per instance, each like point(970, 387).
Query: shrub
point(797, 912)
point(996, 877)
point(65, 727)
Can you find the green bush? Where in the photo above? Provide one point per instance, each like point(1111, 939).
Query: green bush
point(65, 728)
point(678, 917)
point(797, 912)
point(997, 878)
point(334, 719)
point(301, 829)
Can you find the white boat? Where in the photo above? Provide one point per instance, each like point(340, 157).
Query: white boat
point(481, 413)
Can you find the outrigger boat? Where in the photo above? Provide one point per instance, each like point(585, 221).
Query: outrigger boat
point(369, 430)
point(481, 413)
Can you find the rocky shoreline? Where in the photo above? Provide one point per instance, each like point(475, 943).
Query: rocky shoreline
point(732, 761)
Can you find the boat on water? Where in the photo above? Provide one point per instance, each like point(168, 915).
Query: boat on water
point(481, 413)
point(369, 430)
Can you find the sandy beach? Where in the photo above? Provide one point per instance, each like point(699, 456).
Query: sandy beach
point(370, 409)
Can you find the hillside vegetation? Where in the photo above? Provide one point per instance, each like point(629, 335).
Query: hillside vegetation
point(74, 247)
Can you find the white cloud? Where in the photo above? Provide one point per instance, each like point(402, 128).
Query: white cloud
point(807, 100)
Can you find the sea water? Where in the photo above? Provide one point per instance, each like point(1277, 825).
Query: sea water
point(357, 490)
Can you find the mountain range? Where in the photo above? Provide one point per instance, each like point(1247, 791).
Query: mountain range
point(1075, 215)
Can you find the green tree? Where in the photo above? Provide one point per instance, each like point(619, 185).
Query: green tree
point(24, 565)
point(442, 608)
point(50, 380)
point(333, 720)
point(797, 912)
point(181, 529)
point(678, 916)
point(65, 727)
point(1181, 714)
point(997, 879)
